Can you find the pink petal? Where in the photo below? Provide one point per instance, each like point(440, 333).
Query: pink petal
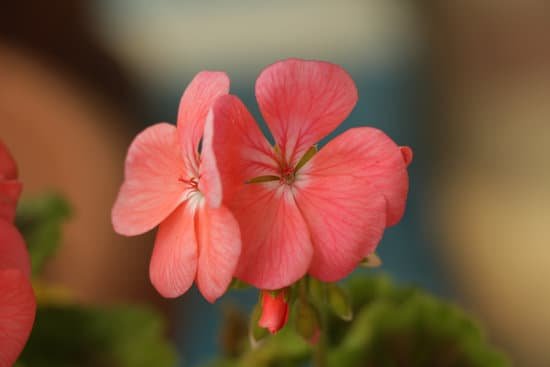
point(303, 101)
point(152, 186)
point(13, 251)
point(346, 219)
point(234, 150)
point(8, 168)
point(195, 103)
point(10, 190)
point(17, 311)
point(220, 247)
point(174, 261)
point(344, 193)
point(374, 157)
point(276, 248)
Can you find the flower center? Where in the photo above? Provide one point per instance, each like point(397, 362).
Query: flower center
point(191, 183)
point(288, 175)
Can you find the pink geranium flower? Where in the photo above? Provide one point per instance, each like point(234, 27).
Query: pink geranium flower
point(17, 303)
point(298, 212)
point(10, 187)
point(164, 185)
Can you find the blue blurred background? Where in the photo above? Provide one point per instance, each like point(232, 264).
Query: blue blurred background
point(465, 84)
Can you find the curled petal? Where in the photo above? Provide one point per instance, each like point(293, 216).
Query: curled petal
point(195, 103)
point(276, 246)
point(152, 186)
point(174, 261)
point(17, 311)
point(348, 192)
point(407, 155)
point(303, 101)
point(369, 154)
point(220, 247)
point(234, 151)
point(13, 251)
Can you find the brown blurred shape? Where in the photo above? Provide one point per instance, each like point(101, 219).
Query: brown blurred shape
point(491, 67)
point(68, 113)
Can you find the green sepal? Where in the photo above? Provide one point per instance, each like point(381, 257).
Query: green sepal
point(257, 333)
point(306, 157)
point(339, 302)
point(307, 321)
point(371, 261)
point(261, 179)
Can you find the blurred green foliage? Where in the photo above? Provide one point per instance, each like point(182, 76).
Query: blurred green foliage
point(121, 336)
point(67, 334)
point(393, 326)
point(40, 221)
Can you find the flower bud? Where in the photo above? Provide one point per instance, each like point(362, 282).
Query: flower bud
point(339, 302)
point(307, 321)
point(274, 310)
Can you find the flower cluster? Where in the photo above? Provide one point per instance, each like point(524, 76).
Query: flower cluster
point(17, 302)
point(237, 206)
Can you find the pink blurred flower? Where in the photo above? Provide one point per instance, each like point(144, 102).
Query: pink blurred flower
point(10, 187)
point(17, 302)
point(320, 216)
point(274, 311)
point(164, 185)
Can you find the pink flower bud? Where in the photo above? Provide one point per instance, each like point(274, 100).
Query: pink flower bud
point(274, 310)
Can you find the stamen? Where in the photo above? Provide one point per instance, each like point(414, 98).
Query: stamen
point(193, 182)
point(288, 176)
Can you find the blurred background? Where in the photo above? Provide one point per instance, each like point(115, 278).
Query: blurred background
point(465, 84)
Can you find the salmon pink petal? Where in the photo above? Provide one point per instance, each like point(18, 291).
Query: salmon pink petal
point(174, 261)
point(346, 219)
point(220, 247)
point(197, 99)
point(13, 251)
point(9, 195)
point(303, 101)
point(234, 150)
point(347, 192)
point(8, 168)
point(370, 154)
point(276, 244)
point(152, 186)
point(17, 311)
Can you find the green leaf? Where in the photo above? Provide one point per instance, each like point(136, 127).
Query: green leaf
point(40, 221)
point(122, 336)
point(390, 322)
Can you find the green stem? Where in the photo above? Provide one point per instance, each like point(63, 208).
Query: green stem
point(320, 349)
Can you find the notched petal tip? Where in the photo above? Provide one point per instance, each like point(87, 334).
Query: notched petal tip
point(302, 101)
